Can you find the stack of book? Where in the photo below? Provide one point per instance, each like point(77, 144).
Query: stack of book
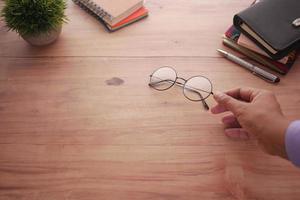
point(245, 41)
point(114, 14)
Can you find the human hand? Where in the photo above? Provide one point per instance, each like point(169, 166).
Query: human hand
point(256, 112)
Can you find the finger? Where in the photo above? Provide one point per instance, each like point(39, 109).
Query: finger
point(228, 102)
point(218, 109)
point(237, 133)
point(245, 94)
point(230, 121)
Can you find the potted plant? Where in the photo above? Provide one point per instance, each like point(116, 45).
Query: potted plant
point(39, 22)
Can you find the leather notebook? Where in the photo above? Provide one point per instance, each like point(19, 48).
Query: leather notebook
point(272, 25)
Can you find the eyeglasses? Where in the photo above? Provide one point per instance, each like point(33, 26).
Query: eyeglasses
point(196, 88)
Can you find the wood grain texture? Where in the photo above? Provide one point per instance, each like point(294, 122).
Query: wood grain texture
point(79, 122)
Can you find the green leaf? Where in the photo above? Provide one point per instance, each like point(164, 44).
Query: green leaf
point(30, 17)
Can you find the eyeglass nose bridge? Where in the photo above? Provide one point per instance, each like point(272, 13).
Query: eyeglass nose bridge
point(182, 79)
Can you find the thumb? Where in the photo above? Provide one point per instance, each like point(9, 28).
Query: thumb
point(228, 102)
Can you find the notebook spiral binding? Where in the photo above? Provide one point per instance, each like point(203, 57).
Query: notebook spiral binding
point(93, 8)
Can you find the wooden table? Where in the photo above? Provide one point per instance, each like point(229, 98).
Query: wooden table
point(69, 131)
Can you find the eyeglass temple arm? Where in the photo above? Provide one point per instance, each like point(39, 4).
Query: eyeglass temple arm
point(205, 105)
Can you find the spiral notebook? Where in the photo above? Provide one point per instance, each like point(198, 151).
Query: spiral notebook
point(110, 11)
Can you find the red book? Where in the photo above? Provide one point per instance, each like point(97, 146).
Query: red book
point(137, 15)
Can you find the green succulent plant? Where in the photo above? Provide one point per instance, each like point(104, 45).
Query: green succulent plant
point(33, 17)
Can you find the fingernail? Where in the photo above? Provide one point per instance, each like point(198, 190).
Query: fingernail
point(244, 136)
point(218, 95)
point(232, 135)
point(213, 110)
point(227, 121)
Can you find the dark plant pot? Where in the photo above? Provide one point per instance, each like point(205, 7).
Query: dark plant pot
point(43, 38)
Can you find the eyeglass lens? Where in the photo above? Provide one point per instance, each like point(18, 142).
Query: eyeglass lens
point(163, 78)
point(197, 88)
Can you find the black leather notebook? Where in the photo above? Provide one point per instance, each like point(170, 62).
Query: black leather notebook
point(272, 25)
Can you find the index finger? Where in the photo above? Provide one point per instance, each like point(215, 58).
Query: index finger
point(245, 93)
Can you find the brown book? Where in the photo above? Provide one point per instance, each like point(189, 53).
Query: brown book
point(111, 11)
point(137, 15)
point(249, 44)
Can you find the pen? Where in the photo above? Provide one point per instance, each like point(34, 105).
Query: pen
point(255, 70)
